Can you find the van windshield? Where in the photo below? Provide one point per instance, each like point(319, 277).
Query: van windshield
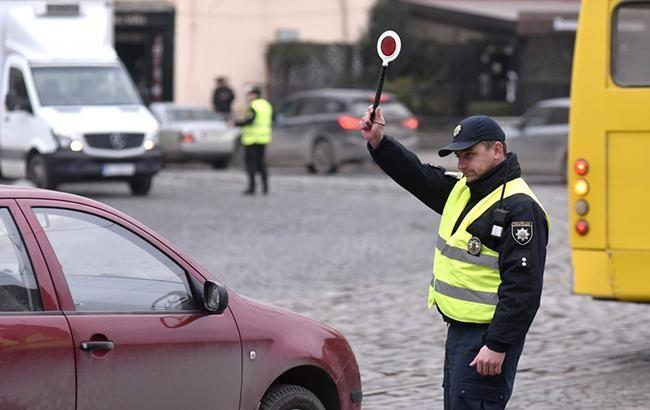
point(59, 86)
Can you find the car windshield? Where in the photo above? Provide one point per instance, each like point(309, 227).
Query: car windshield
point(61, 86)
point(390, 109)
point(191, 114)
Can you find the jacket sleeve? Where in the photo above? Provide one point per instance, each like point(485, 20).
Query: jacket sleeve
point(250, 117)
point(426, 182)
point(522, 255)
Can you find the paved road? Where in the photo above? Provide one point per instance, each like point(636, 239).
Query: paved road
point(354, 251)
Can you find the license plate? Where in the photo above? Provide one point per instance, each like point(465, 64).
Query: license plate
point(111, 170)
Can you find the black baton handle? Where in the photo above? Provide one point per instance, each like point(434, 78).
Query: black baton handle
point(380, 86)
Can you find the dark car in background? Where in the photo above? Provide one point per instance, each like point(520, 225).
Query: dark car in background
point(541, 137)
point(97, 311)
point(319, 129)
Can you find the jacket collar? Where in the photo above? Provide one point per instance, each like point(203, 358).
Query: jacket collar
point(495, 177)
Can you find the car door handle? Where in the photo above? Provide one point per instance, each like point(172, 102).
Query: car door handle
point(96, 345)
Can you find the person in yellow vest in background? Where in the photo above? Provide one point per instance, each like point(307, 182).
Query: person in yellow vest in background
point(489, 254)
point(256, 135)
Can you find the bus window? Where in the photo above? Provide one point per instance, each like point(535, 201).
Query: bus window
point(630, 51)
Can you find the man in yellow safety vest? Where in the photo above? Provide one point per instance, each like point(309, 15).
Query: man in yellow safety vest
point(256, 135)
point(489, 255)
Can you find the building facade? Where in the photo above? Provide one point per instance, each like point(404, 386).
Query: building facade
point(174, 49)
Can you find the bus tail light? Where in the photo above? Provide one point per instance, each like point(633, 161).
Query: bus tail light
point(187, 138)
point(581, 167)
point(582, 207)
point(582, 227)
point(581, 187)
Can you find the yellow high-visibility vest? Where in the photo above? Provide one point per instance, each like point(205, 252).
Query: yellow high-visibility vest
point(464, 286)
point(259, 131)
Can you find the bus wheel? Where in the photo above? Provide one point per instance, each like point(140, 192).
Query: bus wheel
point(38, 173)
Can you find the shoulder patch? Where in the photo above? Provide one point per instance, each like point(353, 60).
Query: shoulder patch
point(522, 231)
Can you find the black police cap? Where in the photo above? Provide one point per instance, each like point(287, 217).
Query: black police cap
point(472, 130)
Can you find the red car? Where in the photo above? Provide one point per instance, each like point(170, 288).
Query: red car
point(97, 311)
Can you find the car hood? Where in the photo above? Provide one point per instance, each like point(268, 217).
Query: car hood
point(99, 119)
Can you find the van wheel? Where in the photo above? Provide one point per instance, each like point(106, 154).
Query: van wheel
point(140, 186)
point(290, 397)
point(38, 173)
point(322, 158)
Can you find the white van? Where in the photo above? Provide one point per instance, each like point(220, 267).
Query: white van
point(71, 112)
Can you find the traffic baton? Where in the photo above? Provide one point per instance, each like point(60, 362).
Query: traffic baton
point(388, 47)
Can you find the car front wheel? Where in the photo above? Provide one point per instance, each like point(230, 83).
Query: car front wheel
point(290, 397)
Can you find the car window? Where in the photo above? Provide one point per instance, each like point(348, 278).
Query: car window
point(389, 109)
point(109, 268)
point(312, 106)
point(290, 108)
point(558, 116)
point(18, 287)
point(333, 106)
point(191, 114)
point(536, 117)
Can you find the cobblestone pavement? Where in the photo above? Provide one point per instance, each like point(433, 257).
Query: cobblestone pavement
point(354, 251)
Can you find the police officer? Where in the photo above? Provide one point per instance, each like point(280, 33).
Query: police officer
point(256, 135)
point(489, 255)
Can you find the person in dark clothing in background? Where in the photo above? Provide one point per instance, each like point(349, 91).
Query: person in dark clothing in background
point(489, 256)
point(222, 97)
point(256, 135)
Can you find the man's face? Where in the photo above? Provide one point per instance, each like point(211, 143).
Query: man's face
point(476, 160)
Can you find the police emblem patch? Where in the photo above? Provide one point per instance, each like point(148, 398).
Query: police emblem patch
point(474, 246)
point(522, 232)
point(457, 130)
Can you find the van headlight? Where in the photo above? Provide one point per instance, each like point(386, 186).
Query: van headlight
point(66, 140)
point(150, 143)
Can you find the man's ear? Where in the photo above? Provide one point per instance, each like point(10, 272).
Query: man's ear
point(499, 150)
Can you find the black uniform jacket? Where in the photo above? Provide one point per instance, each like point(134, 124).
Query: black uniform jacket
point(522, 253)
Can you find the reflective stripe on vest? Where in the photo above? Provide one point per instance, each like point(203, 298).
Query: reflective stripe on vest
point(259, 131)
point(465, 286)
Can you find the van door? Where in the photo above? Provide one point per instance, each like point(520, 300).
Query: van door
point(18, 123)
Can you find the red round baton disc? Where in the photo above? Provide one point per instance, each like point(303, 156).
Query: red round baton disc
point(388, 46)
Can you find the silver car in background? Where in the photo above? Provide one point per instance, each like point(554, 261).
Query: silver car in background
point(541, 138)
point(190, 133)
point(319, 129)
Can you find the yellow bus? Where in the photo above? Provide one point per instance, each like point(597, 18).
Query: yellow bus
point(609, 151)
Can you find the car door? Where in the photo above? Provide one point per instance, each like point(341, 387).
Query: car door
point(544, 135)
point(18, 122)
point(287, 125)
point(529, 146)
point(140, 339)
point(36, 358)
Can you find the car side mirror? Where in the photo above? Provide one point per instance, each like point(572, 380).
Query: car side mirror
point(215, 297)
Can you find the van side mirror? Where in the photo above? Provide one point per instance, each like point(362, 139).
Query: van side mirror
point(215, 297)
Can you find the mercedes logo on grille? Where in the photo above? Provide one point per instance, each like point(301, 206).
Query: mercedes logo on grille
point(117, 141)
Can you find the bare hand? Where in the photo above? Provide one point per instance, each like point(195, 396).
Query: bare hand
point(488, 362)
point(373, 132)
